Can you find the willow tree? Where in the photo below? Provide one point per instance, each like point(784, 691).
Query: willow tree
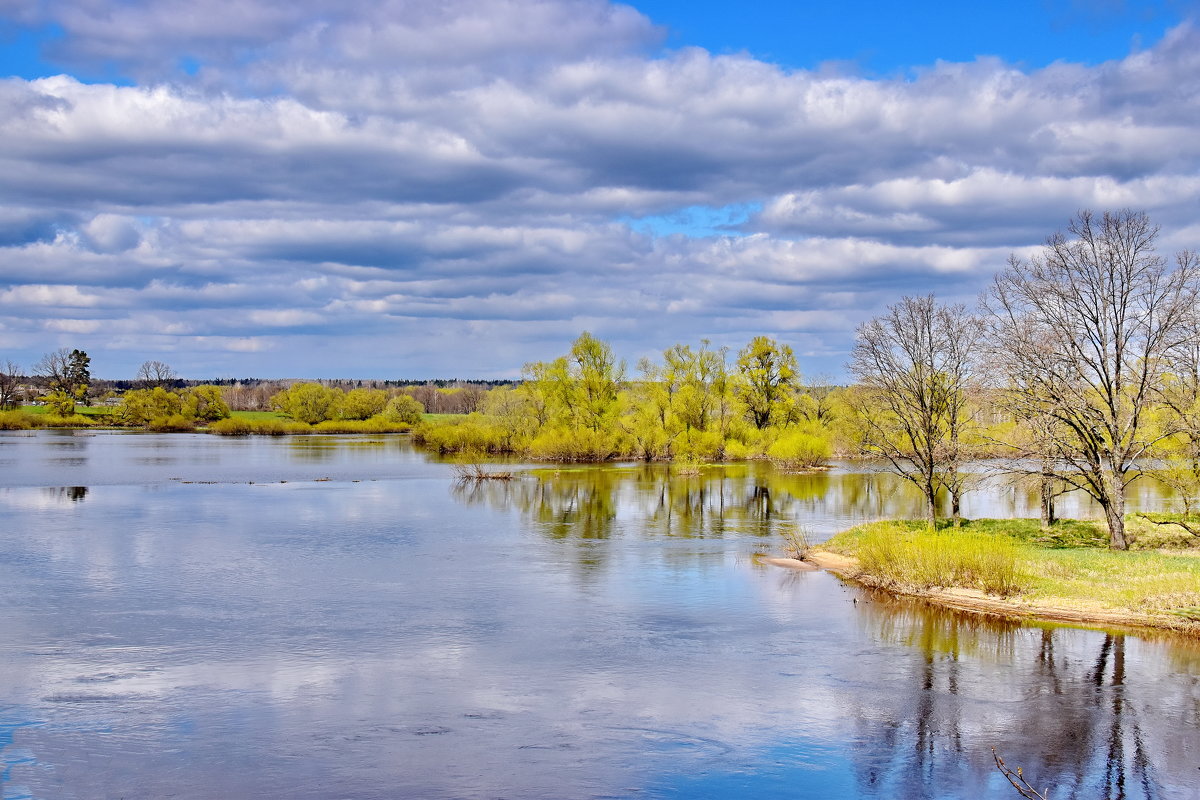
point(1084, 334)
point(767, 378)
point(915, 368)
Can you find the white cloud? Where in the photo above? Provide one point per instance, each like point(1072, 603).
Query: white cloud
point(419, 172)
point(47, 295)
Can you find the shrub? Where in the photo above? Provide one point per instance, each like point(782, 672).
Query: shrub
point(697, 445)
point(798, 450)
point(73, 421)
point(736, 450)
point(141, 406)
point(373, 425)
point(232, 426)
point(18, 421)
point(579, 444)
point(172, 422)
point(468, 434)
point(235, 426)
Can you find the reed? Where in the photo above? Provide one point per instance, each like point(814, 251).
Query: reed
point(924, 559)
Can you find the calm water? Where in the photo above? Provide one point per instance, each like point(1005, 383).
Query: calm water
point(332, 617)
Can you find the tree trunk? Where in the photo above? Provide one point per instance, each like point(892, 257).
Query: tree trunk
point(1114, 512)
point(931, 505)
point(1047, 496)
point(956, 504)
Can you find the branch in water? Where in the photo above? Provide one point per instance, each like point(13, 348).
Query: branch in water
point(1018, 780)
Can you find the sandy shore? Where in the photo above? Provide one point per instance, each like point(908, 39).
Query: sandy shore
point(981, 603)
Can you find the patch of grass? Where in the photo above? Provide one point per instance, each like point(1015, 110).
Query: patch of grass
point(86, 411)
point(236, 426)
point(923, 559)
point(18, 420)
point(1067, 533)
point(1140, 581)
point(73, 421)
point(1069, 565)
point(1148, 531)
point(372, 425)
point(258, 415)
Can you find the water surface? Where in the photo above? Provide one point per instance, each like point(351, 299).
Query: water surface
point(333, 617)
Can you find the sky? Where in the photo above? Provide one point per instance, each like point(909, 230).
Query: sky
point(418, 189)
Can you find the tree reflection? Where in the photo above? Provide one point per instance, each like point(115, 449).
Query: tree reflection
point(1073, 722)
point(72, 493)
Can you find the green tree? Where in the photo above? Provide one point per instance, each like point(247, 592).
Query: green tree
point(143, 406)
point(403, 408)
point(767, 378)
point(308, 402)
point(362, 403)
point(509, 411)
point(593, 383)
point(66, 374)
point(206, 403)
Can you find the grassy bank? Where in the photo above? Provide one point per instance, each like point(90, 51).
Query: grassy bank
point(1066, 568)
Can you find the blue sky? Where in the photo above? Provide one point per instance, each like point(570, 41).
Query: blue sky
point(401, 188)
point(887, 38)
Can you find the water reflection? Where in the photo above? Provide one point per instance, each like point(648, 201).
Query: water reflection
point(1076, 698)
point(70, 493)
point(739, 499)
point(573, 633)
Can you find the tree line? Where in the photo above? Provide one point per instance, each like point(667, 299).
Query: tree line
point(62, 380)
point(697, 403)
point(1081, 364)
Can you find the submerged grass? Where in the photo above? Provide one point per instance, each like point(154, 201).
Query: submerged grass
point(1068, 565)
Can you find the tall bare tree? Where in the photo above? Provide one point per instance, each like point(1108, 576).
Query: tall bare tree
point(915, 365)
point(66, 371)
point(155, 373)
point(10, 385)
point(1083, 335)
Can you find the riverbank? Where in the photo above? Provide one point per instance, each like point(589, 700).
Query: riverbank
point(1012, 568)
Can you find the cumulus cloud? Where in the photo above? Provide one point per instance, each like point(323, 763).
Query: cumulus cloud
point(466, 172)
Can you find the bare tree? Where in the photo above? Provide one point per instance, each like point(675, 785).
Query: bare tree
point(1083, 334)
point(915, 367)
point(66, 371)
point(155, 373)
point(10, 385)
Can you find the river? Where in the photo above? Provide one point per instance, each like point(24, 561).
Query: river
point(335, 617)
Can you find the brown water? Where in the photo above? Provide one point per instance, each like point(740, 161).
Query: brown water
point(198, 617)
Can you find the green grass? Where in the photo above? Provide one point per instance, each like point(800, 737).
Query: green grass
point(258, 415)
point(1069, 565)
point(87, 411)
point(241, 426)
point(911, 556)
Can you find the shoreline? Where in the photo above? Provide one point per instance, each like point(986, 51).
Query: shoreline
point(977, 602)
